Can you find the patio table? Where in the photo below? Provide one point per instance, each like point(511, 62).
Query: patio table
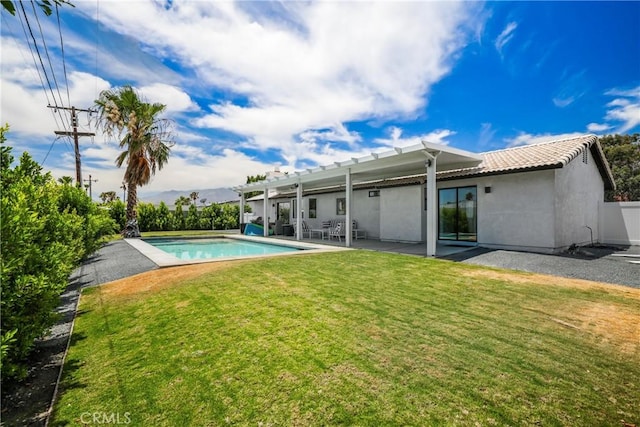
point(320, 231)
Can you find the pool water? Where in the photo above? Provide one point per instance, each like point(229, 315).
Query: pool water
point(188, 249)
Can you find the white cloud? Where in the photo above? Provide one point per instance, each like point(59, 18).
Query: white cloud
point(173, 97)
point(396, 140)
point(505, 36)
point(314, 66)
point(571, 89)
point(624, 110)
point(597, 127)
point(527, 139)
point(188, 168)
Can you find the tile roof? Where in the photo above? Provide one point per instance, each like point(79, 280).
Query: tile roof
point(545, 155)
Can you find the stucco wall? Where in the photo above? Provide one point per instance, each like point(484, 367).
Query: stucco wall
point(364, 209)
point(578, 196)
point(518, 213)
point(401, 214)
point(620, 223)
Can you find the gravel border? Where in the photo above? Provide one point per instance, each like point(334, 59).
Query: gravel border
point(606, 264)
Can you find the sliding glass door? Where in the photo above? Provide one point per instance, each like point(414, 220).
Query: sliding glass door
point(457, 219)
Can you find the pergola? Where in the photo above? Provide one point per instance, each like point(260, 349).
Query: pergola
point(396, 163)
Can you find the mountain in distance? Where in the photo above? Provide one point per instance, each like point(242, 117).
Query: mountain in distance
point(213, 195)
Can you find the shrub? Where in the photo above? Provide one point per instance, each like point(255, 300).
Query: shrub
point(163, 217)
point(147, 217)
point(45, 230)
point(193, 218)
point(118, 212)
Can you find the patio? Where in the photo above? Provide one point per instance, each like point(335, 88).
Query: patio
point(419, 249)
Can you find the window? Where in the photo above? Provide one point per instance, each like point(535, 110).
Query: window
point(374, 193)
point(312, 208)
point(457, 219)
point(341, 206)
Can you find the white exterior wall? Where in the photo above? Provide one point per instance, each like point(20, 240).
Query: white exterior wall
point(620, 223)
point(579, 192)
point(365, 210)
point(256, 209)
point(401, 214)
point(518, 214)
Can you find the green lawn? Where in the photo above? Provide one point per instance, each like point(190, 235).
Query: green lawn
point(353, 338)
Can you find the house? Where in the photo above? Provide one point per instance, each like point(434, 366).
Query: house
point(542, 198)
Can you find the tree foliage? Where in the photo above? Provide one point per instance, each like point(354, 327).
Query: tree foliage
point(108, 196)
point(46, 229)
point(623, 154)
point(146, 142)
point(45, 5)
point(251, 179)
point(182, 201)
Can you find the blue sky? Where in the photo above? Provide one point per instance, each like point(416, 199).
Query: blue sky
point(257, 85)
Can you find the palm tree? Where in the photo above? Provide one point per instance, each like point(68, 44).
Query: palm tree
point(146, 141)
point(182, 200)
point(194, 196)
point(65, 180)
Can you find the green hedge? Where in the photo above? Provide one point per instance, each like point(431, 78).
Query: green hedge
point(46, 229)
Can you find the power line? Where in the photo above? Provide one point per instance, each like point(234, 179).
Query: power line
point(48, 152)
point(44, 70)
point(64, 62)
point(46, 51)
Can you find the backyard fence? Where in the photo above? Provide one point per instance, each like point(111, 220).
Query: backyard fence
point(620, 223)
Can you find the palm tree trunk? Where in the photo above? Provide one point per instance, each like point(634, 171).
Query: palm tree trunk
point(132, 201)
point(131, 230)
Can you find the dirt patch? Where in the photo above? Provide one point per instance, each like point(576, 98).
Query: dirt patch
point(156, 280)
point(610, 323)
point(613, 325)
point(546, 280)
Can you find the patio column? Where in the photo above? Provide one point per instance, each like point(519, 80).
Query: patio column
point(299, 211)
point(349, 223)
point(241, 211)
point(432, 208)
point(265, 213)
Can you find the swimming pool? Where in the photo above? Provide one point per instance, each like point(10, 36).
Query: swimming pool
point(188, 249)
point(173, 251)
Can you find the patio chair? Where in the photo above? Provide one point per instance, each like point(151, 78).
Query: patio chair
point(305, 229)
point(338, 231)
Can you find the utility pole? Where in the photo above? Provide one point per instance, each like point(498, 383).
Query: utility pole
point(90, 181)
point(124, 191)
point(75, 134)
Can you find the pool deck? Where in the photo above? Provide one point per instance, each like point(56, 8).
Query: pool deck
point(164, 259)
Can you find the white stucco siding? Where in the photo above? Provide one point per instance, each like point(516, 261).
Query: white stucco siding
point(579, 191)
point(519, 211)
point(401, 214)
point(366, 211)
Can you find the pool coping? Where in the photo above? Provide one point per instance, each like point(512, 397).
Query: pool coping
point(163, 259)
